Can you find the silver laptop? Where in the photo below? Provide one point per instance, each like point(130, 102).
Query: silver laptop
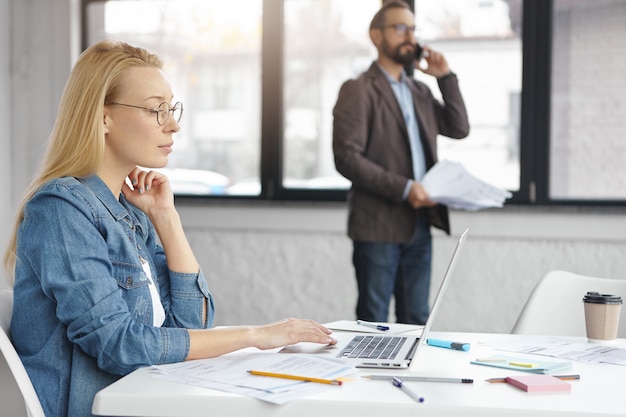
point(380, 350)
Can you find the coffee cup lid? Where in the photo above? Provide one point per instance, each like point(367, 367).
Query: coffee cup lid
point(597, 298)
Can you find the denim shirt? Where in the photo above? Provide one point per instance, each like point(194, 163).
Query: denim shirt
point(82, 312)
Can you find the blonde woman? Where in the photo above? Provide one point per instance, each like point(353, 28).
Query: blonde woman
point(104, 278)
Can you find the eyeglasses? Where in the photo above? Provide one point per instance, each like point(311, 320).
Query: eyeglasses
point(401, 29)
point(162, 112)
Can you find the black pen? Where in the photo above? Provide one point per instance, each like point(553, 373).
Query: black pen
point(372, 325)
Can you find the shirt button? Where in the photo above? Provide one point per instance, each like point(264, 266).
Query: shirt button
point(129, 280)
point(139, 247)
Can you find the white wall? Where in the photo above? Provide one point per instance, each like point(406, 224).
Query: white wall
point(270, 261)
point(35, 45)
point(5, 109)
point(9, 394)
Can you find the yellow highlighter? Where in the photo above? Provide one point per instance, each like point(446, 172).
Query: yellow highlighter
point(523, 365)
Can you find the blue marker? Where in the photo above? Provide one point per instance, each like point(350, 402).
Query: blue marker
point(448, 344)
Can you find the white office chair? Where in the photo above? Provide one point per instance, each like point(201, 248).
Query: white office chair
point(555, 306)
point(33, 406)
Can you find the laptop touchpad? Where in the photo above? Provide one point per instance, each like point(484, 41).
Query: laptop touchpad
point(306, 347)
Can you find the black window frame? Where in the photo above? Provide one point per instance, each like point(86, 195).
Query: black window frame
point(535, 114)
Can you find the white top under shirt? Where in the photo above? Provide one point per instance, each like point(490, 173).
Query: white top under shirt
point(158, 315)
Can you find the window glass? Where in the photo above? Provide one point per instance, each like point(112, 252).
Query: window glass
point(212, 51)
point(325, 43)
point(212, 54)
point(587, 122)
point(481, 39)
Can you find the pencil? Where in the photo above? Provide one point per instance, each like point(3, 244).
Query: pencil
point(297, 377)
point(413, 378)
point(563, 377)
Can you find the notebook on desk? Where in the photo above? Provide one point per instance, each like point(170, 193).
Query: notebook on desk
point(380, 350)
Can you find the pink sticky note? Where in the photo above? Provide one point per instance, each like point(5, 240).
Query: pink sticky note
point(539, 383)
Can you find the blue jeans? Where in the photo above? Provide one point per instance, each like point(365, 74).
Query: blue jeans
point(383, 269)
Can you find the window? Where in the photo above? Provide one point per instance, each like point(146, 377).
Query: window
point(542, 80)
point(482, 41)
point(212, 55)
point(588, 101)
point(325, 43)
point(468, 32)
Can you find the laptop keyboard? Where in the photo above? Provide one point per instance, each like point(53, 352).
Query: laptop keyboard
point(373, 347)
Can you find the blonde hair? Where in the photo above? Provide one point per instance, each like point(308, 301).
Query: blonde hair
point(76, 143)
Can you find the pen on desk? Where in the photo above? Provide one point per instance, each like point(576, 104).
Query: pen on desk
point(414, 378)
point(372, 325)
point(297, 377)
point(408, 391)
point(563, 377)
point(448, 344)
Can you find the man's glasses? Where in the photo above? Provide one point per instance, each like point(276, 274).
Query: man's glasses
point(401, 28)
point(162, 112)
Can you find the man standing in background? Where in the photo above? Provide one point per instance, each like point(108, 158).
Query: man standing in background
point(384, 140)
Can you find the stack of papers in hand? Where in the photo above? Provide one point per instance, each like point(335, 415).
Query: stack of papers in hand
point(449, 183)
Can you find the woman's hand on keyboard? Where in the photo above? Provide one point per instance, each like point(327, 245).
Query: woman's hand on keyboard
point(291, 331)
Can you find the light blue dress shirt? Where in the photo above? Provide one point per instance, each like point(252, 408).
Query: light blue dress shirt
point(405, 100)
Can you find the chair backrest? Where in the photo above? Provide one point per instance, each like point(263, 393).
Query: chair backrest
point(33, 406)
point(555, 306)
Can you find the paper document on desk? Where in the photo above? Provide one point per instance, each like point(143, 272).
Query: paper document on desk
point(559, 348)
point(230, 373)
point(449, 183)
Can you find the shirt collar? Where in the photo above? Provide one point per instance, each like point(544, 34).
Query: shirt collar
point(103, 193)
point(403, 76)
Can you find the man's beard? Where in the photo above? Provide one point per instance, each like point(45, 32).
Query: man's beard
point(398, 57)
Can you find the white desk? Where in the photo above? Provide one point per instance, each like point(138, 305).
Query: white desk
point(601, 391)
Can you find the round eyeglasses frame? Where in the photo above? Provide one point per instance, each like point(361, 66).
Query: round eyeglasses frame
point(162, 112)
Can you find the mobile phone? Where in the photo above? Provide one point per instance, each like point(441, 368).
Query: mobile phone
point(419, 52)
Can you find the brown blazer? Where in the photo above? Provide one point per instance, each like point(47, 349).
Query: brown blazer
point(371, 149)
